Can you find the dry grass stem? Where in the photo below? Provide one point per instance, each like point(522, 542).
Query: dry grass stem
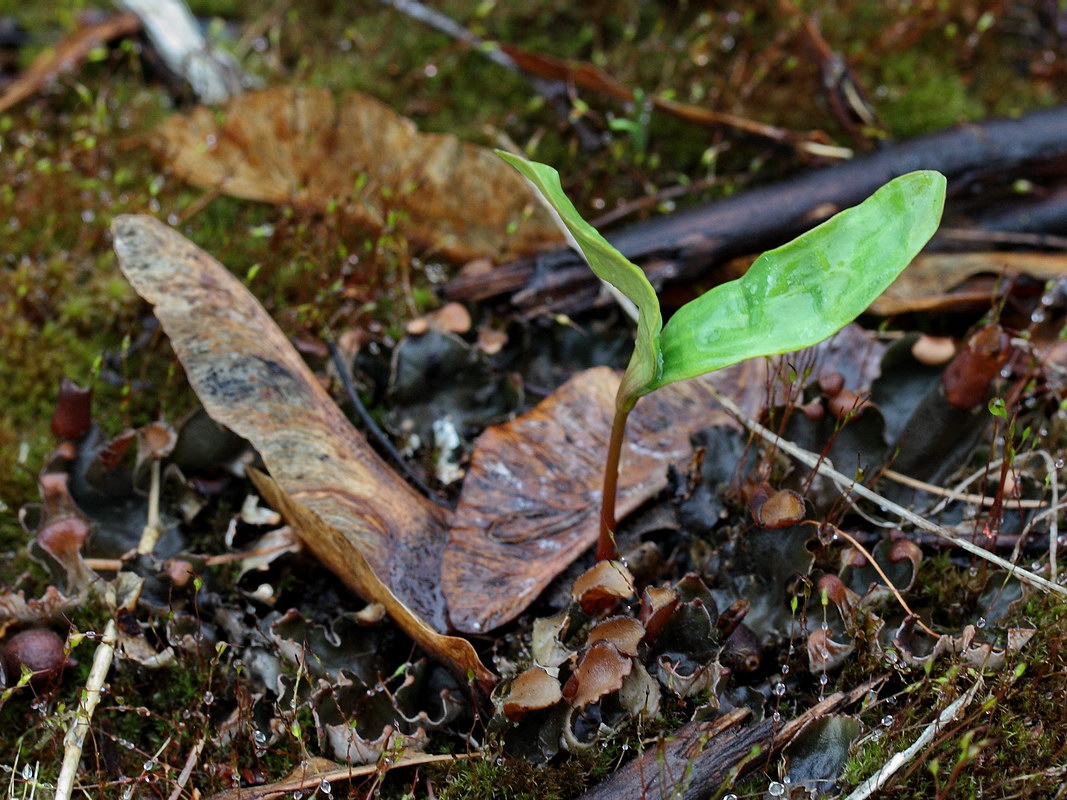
point(823, 467)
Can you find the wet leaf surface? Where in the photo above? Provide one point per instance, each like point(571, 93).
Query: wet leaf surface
point(529, 504)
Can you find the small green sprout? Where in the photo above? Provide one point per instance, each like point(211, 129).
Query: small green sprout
point(791, 297)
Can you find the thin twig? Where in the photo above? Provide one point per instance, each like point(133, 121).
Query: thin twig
point(881, 573)
point(152, 529)
point(879, 779)
point(187, 770)
point(1053, 525)
point(951, 495)
point(1003, 237)
point(823, 467)
point(557, 93)
point(377, 433)
point(74, 740)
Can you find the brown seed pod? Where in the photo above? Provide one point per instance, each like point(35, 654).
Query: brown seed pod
point(832, 384)
point(38, 650)
point(779, 509)
point(967, 377)
point(742, 651)
point(73, 414)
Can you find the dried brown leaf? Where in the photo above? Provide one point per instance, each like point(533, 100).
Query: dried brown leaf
point(780, 509)
point(602, 586)
point(456, 653)
point(622, 631)
point(250, 379)
point(301, 146)
point(532, 493)
point(601, 671)
point(929, 284)
point(532, 690)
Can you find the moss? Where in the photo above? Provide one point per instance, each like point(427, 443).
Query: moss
point(73, 157)
point(926, 97)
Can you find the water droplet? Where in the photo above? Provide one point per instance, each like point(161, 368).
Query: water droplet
point(1005, 372)
point(776, 789)
point(1048, 299)
point(823, 679)
point(776, 717)
point(27, 773)
point(147, 766)
point(785, 669)
point(730, 796)
point(1038, 316)
point(973, 572)
point(297, 795)
point(209, 698)
point(260, 737)
point(325, 787)
point(88, 215)
point(979, 623)
point(1058, 463)
point(1035, 566)
point(779, 688)
point(127, 793)
point(887, 720)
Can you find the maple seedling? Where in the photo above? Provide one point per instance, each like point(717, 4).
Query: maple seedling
point(791, 297)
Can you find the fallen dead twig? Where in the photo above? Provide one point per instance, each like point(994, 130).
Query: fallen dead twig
point(880, 778)
point(823, 467)
point(951, 495)
point(187, 770)
point(74, 740)
point(557, 93)
point(685, 245)
point(881, 574)
point(67, 54)
point(312, 781)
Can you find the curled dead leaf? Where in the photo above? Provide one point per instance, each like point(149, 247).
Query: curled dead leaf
point(624, 632)
point(967, 377)
point(657, 606)
point(825, 654)
point(601, 587)
point(531, 690)
point(776, 509)
point(600, 671)
point(546, 642)
point(73, 413)
point(454, 652)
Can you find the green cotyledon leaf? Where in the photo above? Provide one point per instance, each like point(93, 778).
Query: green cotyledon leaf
point(609, 264)
point(801, 293)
